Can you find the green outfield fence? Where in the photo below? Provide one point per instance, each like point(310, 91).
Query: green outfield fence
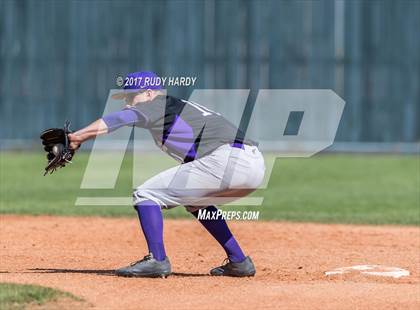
point(58, 59)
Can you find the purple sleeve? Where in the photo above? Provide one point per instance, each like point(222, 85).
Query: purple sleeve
point(126, 117)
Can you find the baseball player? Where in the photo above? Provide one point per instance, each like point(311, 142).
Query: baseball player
point(216, 164)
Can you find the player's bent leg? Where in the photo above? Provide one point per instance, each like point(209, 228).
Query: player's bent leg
point(238, 265)
point(244, 172)
point(151, 221)
point(198, 183)
point(156, 264)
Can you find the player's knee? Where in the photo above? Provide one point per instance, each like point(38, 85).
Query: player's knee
point(143, 196)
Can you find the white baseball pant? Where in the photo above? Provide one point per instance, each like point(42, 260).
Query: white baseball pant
point(222, 176)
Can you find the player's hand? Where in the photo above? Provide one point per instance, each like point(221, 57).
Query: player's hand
point(75, 141)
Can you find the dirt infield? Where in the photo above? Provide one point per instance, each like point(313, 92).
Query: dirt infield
point(78, 255)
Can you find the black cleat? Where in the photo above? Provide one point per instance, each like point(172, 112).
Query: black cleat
point(245, 268)
point(148, 267)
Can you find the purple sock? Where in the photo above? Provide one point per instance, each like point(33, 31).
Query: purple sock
point(220, 231)
point(151, 221)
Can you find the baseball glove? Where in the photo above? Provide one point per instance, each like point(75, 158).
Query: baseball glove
point(56, 144)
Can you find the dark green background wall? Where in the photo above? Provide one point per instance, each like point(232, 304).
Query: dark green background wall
point(58, 59)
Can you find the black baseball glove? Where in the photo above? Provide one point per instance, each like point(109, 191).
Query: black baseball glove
point(56, 144)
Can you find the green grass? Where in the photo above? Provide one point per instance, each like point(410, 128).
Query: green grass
point(371, 189)
point(17, 296)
